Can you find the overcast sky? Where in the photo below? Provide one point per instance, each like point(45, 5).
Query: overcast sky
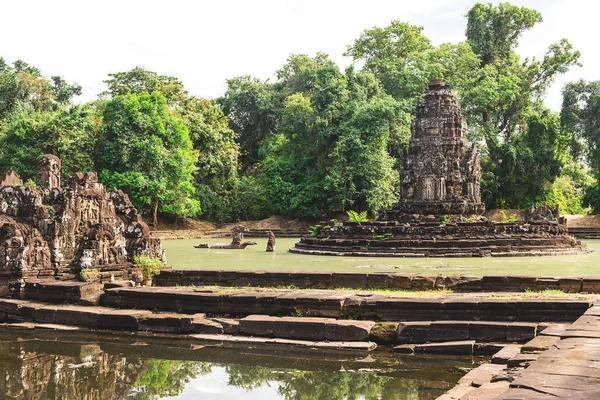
point(205, 43)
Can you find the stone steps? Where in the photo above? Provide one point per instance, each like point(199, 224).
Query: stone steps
point(483, 331)
point(337, 304)
point(560, 363)
point(31, 314)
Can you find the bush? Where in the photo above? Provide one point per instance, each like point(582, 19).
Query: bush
point(90, 275)
point(150, 266)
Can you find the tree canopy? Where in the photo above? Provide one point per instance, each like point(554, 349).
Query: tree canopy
point(316, 139)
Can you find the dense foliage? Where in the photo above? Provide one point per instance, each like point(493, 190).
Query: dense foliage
point(318, 140)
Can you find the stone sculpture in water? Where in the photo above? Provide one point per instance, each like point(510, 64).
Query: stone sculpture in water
point(237, 242)
point(270, 242)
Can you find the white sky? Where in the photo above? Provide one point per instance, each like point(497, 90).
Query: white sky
point(203, 43)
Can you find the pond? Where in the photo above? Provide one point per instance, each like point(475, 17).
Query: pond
point(182, 254)
point(81, 365)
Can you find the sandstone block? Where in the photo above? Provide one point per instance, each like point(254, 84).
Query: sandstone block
point(400, 281)
point(78, 315)
point(120, 319)
point(349, 280)
point(348, 331)
point(488, 331)
point(384, 332)
point(206, 326)
point(521, 331)
point(230, 326)
point(506, 354)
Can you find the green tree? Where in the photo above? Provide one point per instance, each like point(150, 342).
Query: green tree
point(24, 86)
point(331, 152)
point(218, 151)
point(519, 172)
point(71, 134)
point(252, 110)
point(139, 80)
point(507, 87)
point(580, 116)
point(149, 152)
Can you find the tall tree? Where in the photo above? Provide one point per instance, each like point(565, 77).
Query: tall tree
point(251, 107)
point(149, 153)
point(580, 115)
point(139, 80)
point(24, 86)
point(71, 134)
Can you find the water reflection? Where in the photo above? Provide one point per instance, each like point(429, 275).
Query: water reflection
point(48, 365)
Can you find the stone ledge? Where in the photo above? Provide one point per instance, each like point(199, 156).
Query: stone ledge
point(376, 280)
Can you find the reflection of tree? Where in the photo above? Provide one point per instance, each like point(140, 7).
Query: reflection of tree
point(167, 378)
point(310, 385)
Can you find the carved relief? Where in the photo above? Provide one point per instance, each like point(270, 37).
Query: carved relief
point(51, 231)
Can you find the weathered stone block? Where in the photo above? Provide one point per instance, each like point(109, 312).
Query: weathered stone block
point(349, 280)
point(384, 332)
point(164, 323)
point(400, 281)
point(348, 331)
point(422, 282)
point(570, 284)
point(488, 331)
point(451, 348)
point(120, 319)
point(45, 314)
point(78, 315)
point(378, 281)
point(230, 326)
point(448, 331)
point(520, 331)
point(206, 326)
point(590, 285)
point(539, 343)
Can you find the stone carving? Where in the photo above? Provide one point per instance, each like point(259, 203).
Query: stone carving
point(10, 178)
point(50, 167)
point(237, 242)
point(54, 233)
point(543, 213)
point(440, 170)
point(270, 242)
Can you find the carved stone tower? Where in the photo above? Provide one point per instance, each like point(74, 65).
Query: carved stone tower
point(440, 171)
point(50, 166)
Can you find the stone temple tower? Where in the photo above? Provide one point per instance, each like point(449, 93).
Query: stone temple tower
point(440, 171)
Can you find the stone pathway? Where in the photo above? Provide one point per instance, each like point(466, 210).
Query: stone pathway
point(562, 364)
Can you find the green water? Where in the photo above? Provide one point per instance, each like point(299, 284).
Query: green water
point(182, 254)
point(64, 365)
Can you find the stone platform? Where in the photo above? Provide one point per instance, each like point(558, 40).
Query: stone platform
point(435, 239)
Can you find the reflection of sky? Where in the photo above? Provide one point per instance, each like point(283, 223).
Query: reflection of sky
point(214, 385)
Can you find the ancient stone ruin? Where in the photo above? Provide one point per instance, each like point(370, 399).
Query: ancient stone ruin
point(237, 241)
point(440, 170)
point(54, 232)
point(439, 210)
